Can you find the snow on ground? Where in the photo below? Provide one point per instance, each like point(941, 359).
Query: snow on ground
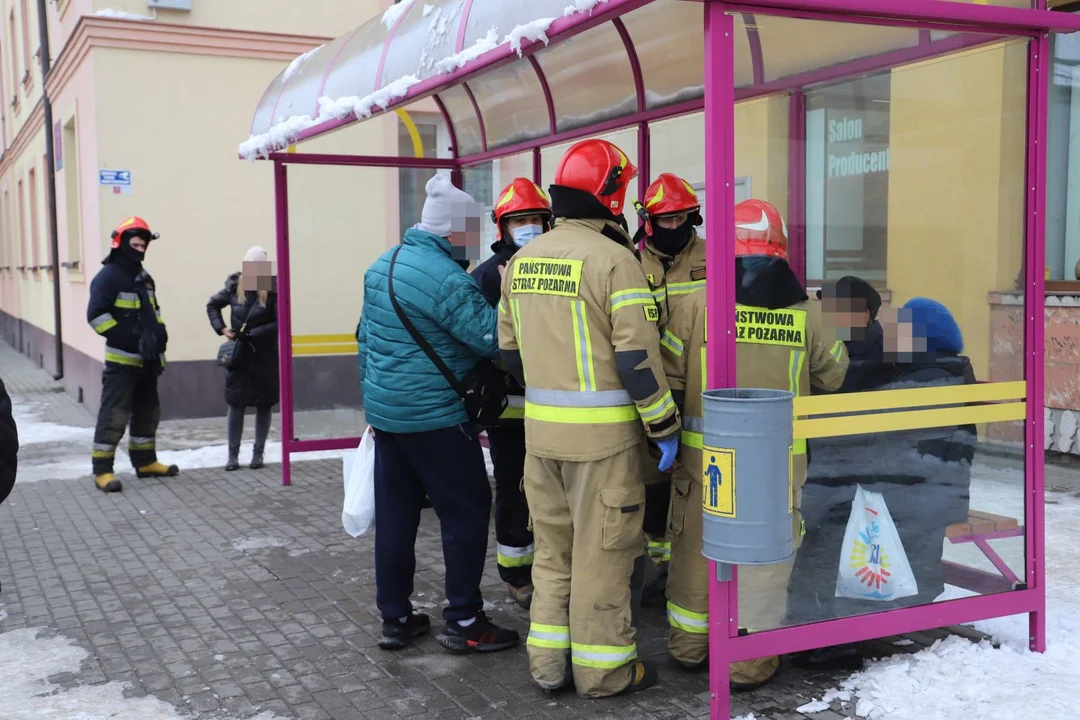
point(26, 663)
point(71, 467)
point(119, 15)
point(35, 431)
point(957, 678)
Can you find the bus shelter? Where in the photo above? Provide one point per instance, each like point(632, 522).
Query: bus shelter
point(930, 114)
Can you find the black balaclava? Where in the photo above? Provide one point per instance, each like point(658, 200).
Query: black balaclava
point(126, 254)
point(574, 204)
point(766, 282)
point(674, 241)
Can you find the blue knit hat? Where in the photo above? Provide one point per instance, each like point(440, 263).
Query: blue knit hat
point(933, 321)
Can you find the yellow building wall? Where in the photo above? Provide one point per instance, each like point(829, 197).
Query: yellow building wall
point(211, 207)
point(956, 184)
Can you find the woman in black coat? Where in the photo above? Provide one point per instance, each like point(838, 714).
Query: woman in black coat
point(252, 305)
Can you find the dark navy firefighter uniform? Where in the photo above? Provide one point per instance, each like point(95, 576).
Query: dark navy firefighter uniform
point(506, 441)
point(124, 309)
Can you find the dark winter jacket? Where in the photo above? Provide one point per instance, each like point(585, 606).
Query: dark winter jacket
point(403, 390)
point(9, 445)
point(254, 383)
point(924, 475)
point(124, 309)
point(488, 278)
point(867, 357)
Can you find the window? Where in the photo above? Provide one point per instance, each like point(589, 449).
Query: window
point(70, 144)
point(742, 192)
point(35, 240)
point(847, 180)
point(25, 13)
point(1063, 163)
point(14, 50)
point(24, 254)
point(434, 142)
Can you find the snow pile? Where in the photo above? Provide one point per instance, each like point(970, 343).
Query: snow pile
point(582, 6)
point(298, 64)
point(536, 30)
point(286, 130)
point(119, 15)
point(26, 663)
point(35, 431)
point(391, 17)
point(957, 678)
point(489, 42)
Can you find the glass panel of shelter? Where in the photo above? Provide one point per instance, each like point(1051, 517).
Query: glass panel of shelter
point(917, 174)
point(428, 32)
point(512, 103)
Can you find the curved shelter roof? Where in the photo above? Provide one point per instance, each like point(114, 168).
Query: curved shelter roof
point(507, 73)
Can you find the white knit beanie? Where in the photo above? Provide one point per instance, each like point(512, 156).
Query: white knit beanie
point(446, 207)
point(256, 254)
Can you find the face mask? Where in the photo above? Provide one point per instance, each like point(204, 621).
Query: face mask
point(672, 241)
point(524, 234)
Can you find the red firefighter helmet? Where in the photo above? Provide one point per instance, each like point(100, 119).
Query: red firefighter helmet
point(600, 169)
point(760, 230)
point(668, 195)
point(520, 197)
point(134, 225)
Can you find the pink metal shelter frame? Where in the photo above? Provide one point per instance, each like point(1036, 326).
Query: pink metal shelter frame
point(718, 103)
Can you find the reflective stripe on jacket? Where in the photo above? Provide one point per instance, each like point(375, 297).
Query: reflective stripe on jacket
point(784, 349)
point(578, 317)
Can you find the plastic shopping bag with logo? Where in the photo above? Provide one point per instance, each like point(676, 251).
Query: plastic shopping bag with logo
point(358, 513)
point(873, 564)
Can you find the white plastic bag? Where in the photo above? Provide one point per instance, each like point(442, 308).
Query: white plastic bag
point(873, 564)
point(358, 513)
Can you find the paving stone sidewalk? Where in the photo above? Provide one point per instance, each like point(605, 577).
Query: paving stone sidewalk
point(227, 595)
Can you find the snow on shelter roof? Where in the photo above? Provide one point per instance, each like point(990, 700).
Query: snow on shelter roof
point(506, 72)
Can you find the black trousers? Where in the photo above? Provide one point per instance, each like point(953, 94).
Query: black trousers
point(512, 536)
point(128, 395)
point(448, 465)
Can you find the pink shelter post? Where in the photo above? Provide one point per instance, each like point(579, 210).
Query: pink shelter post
point(284, 300)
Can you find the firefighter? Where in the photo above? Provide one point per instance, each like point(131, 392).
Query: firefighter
point(786, 348)
point(523, 213)
point(578, 320)
point(124, 310)
point(673, 257)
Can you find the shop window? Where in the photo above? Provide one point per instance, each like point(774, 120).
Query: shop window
point(1063, 163)
point(847, 180)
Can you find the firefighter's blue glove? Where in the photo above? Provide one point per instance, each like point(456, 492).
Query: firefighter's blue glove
point(669, 448)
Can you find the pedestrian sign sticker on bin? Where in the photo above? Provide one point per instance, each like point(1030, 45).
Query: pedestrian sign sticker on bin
point(718, 481)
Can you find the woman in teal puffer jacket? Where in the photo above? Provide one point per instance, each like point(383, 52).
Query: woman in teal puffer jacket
point(423, 443)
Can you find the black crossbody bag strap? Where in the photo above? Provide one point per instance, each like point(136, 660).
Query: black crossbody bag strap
point(416, 336)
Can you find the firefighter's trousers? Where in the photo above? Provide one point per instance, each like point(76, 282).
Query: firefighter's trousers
point(128, 395)
point(589, 543)
point(762, 588)
point(513, 538)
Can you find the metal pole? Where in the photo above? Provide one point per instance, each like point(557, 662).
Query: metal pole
point(50, 184)
point(720, 298)
point(284, 309)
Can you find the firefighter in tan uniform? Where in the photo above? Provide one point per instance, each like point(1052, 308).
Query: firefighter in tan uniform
point(781, 345)
point(577, 325)
point(673, 257)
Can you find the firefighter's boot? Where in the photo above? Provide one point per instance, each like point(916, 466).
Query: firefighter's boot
point(522, 595)
point(157, 470)
point(107, 482)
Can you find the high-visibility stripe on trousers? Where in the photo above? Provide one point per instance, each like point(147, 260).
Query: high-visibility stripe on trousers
point(510, 557)
point(587, 525)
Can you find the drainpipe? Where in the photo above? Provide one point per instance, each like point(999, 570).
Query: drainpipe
point(50, 159)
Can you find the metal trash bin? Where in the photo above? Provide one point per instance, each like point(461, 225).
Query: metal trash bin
point(747, 483)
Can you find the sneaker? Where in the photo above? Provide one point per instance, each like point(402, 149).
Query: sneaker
point(397, 635)
point(643, 676)
point(481, 636)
